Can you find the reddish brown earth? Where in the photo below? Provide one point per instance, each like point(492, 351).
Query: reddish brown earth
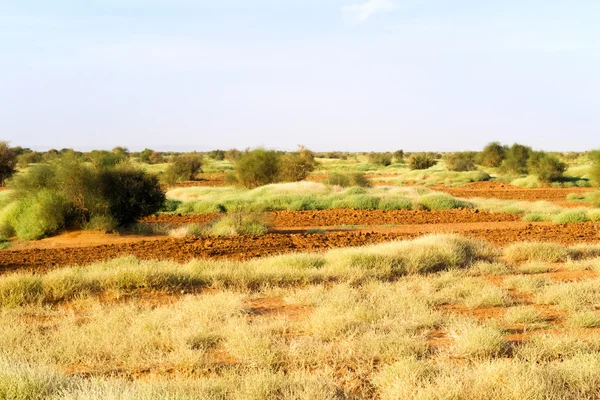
point(506, 191)
point(341, 217)
point(246, 247)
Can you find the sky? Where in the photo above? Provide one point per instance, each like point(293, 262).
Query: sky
point(348, 75)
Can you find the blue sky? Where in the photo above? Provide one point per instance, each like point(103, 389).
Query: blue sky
point(354, 75)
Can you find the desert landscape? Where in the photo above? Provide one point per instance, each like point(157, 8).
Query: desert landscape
point(357, 279)
point(300, 200)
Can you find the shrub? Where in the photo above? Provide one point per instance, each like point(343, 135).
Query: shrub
point(130, 194)
point(106, 159)
point(8, 162)
point(257, 167)
point(547, 167)
point(69, 193)
point(344, 180)
point(29, 157)
point(149, 156)
point(40, 214)
point(295, 167)
point(492, 155)
point(460, 162)
point(170, 205)
point(421, 161)
point(233, 155)
point(101, 223)
point(398, 156)
point(384, 159)
point(217, 155)
point(184, 168)
point(435, 201)
point(594, 173)
point(516, 159)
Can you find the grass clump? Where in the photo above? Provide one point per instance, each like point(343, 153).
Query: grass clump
point(477, 341)
point(571, 216)
point(584, 319)
point(536, 251)
point(240, 223)
point(523, 315)
point(358, 202)
point(435, 201)
point(537, 217)
point(395, 203)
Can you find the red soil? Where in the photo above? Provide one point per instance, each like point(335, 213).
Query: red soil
point(245, 247)
point(506, 191)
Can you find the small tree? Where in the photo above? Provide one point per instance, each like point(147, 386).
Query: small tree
point(257, 167)
point(294, 167)
point(492, 155)
point(421, 161)
point(8, 162)
point(516, 159)
point(130, 193)
point(145, 156)
point(547, 167)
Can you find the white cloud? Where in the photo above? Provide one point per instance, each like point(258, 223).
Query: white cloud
point(361, 12)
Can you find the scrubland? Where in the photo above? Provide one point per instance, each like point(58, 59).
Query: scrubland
point(437, 317)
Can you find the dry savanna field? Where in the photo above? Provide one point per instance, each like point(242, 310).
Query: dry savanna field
point(362, 280)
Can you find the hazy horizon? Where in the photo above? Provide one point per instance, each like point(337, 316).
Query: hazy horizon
point(347, 75)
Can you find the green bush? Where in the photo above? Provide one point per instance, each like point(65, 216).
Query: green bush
point(398, 156)
point(336, 179)
point(460, 162)
point(106, 159)
point(295, 167)
point(170, 205)
point(492, 155)
point(421, 161)
point(68, 193)
point(39, 215)
point(184, 168)
point(130, 194)
point(435, 201)
point(516, 159)
point(257, 168)
point(356, 179)
point(594, 173)
point(384, 159)
point(547, 167)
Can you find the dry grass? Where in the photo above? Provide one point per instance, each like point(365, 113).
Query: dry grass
point(420, 319)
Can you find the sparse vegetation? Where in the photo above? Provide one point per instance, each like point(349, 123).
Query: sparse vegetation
point(421, 161)
point(70, 193)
